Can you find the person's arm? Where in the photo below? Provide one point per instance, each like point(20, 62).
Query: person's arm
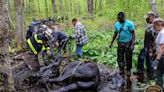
point(55, 38)
point(145, 38)
point(113, 39)
point(133, 39)
point(160, 52)
point(132, 30)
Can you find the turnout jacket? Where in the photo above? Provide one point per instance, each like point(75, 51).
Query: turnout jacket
point(37, 43)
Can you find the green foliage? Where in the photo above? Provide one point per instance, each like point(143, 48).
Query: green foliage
point(98, 51)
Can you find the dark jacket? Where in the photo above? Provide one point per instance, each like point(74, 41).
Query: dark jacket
point(30, 31)
point(58, 36)
point(37, 43)
point(150, 36)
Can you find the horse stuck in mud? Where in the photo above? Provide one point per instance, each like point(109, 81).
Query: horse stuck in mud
point(64, 75)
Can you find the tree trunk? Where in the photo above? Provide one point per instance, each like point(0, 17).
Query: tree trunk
point(54, 7)
point(95, 6)
point(100, 8)
point(19, 22)
point(38, 6)
point(46, 8)
point(6, 81)
point(153, 7)
point(108, 5)
point(28, 7)
point(78, 9)
point(162, 2)
point(61, 8)
point(23, 20)
point(90, 7)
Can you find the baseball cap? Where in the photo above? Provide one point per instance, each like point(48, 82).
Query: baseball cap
point(158, 20)
point(150, 13)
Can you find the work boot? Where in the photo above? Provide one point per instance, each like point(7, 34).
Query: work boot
point(128, 73)
point(122, 73)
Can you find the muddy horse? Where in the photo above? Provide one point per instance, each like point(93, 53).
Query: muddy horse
point(76, 76)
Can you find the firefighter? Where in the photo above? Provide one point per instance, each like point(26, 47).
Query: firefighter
point(39, 43)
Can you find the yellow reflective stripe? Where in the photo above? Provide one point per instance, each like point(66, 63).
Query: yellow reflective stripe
point(37, 40)
point(48, 48)
point(31, 46)
point(43, 48)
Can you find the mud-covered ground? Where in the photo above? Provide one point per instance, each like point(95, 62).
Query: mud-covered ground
point(21, 72)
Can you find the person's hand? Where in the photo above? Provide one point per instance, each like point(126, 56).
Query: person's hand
point(151, 54)
point(110, 46)
point(132, 47)
point(154, 64)
point(49, 53)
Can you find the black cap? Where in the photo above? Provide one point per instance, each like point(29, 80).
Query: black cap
point(120, 15)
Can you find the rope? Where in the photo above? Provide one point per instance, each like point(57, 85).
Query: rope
point(70, 80)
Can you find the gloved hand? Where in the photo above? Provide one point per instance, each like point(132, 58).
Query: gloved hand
point(49, 53)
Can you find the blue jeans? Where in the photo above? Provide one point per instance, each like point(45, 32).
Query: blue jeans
point(144, 54)
point(79, 51)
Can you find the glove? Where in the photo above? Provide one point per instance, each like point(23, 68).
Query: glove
point(49, 53)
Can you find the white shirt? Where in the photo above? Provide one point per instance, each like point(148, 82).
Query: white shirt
point(160, 39)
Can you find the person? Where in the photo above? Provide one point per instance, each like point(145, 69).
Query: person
point(126, 36)
point(147, 52)
point(158, 24)
point(60, 37)
point(42, 29)
point(32, 29)
point(79, 36)
point(38, 42)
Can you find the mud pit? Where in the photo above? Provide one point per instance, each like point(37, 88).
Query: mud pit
point(26, 81)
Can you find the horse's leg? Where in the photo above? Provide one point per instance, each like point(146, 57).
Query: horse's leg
point(75, 86)
point(58, 79)
point(70, 87)
point(85, 85)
